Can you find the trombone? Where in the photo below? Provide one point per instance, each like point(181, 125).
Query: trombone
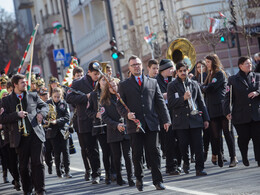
point(21, 122)
point(192, 106)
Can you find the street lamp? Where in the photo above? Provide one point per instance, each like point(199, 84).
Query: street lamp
point(165, 25)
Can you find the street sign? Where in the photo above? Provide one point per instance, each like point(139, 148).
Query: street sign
point(59, 54)
point(37, 69)
point(67, 60)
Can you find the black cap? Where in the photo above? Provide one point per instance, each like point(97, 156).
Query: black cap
point(165, 64)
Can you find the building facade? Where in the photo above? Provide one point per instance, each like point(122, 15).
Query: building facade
point(185, 18)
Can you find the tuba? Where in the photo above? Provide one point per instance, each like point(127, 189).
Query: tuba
point(182, 50)
point(52, 115)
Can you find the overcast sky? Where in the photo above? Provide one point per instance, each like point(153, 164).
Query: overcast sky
point(7, 5)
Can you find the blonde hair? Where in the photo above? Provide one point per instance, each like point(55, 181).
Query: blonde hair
point(58, 90)
point(105, 94)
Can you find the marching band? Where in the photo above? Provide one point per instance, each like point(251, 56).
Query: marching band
point(129, 118)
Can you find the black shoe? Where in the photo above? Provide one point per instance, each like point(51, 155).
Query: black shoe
point(120, 181)
point(233, 162)
point(214, 159)
point(245, 162)
point(186, 168)
point(131, 183)
point(174, 172)
point(220, 161)
point(17, 185)
point(139, 185)
point(68, 175)
point(5, 179)
point(87, 176)
point(201, 173)
point(205, 155)
point(159, 186)
point(50, 170)
point(258, 163)
point(96, 180)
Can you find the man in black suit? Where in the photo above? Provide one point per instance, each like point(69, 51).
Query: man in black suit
point(181, 93)
point(26, 109)
point(143, 97)
point(88, 143)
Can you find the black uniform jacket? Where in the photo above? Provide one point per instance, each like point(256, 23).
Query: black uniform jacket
point(84, 85)
point(145, 101)
point(162, 84)
point(112, 118)
point(214, 94)
point(62, 117)
point(92, 110)
point(34, 106)
point(181, 117)
point(244, 109)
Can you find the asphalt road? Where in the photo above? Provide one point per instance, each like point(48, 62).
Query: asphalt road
point(238, 180)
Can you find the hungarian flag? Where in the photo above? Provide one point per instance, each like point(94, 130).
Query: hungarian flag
point(28, 58)
point(69, 74)
point(150, 37)
point(56, 26)
point(214, 23)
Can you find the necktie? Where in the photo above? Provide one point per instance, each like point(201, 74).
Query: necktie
point(139, 81)
point(93, 83)
point(166, 80)
point(20, 97)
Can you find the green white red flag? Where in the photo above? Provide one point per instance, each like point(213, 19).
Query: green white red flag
point(28, 58)
point(56, 26)
point(69, 74)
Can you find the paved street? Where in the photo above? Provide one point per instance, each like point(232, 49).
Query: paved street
point(238, 180)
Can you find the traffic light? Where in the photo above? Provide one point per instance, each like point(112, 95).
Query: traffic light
point(222, 39)
point(115, 53)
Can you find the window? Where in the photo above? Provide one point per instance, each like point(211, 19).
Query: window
point(57, 6)
point(253, 3)
point(46, 10)
point(52, 8)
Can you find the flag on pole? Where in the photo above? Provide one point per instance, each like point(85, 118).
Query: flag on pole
point(214, 23)
point(56, 26)
point(150, 37)
point(28, 51)
point(222, 15)
point(69, 74)
point(7, 67)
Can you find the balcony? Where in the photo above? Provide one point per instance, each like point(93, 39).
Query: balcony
point(47, 22)
point(25, 4)
point(92, 39)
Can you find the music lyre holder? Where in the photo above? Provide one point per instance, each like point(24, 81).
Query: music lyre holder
point(96, 66)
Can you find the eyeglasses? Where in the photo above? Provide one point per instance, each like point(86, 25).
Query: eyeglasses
point(133, 65)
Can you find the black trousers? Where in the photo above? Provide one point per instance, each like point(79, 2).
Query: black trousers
point(215, 126)
point(4, 159)
point(246, 132)
point(173, 154)
point(84, 153)
point(48, 152)
point(90, 150)
point(61, 146)
point(13, 163)
point(150, 140)
point(192, 137)
point(117, 148)
point(206, 139)
point(107, 159)
point(31, 151)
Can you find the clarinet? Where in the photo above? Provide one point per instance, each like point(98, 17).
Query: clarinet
point(99, 110)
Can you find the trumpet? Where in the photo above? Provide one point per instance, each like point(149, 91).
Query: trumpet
point(192, 106)
point(21, 122)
